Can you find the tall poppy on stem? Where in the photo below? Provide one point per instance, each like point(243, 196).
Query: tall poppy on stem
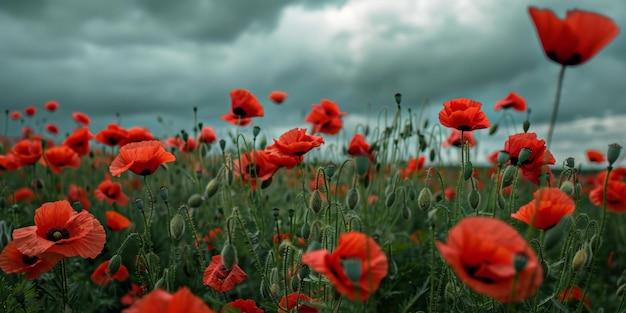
point(254, 165)
point(454, 139)
point(244, 105)
point(60, 157)
point(463, 114)
point(112, 135)
point(489, 256)
point(14, 261)
point(159, 301)
point(325, 117)
point(277, 96)
point(512, 101)
point(102, 276)
point(355, 267)
point(141, 158)
point(111, 192)
point(59, 229)
point(79, 141)
point(220, 278)
point(571, 41)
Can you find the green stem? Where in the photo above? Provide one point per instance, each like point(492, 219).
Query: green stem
point(555, 108)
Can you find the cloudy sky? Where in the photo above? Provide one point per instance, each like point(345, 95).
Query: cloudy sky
point(150, 58)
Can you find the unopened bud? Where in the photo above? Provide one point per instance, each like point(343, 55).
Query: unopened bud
point(493, 129)
point(222, 144)
point(568, 188)
point(177, 226)
point(304, 272)
point(613, 153)
point(501, 202)
point(316, 201)
point(579, 260)
point(139, 204)
point(362, 165)
point(473, 199)
point(352, 198)
point(229, 255)
point(468, 170)
point(519, 262)
point(424, 200)
point(398, 98)
point(390, 199)
point(195, 201)
point(526, 126)
point(406, 212)
point(211, 188)
point(164, 193)
point(256, 130)
point(503, 157)
point(305, 231)
point(266, 183)
point(77, 206)
point(114, 264)
point(509, 174)
point(524, 155)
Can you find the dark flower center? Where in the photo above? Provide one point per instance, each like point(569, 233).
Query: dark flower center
point(239, 111)
point(575, 59)
point(29, 260)
point(464, 128)
point(113, 141)
point(471, 270)
point(146, 172)
point(252, 170)
point(57, 233)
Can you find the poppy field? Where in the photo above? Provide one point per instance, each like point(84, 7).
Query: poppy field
point(119, 220)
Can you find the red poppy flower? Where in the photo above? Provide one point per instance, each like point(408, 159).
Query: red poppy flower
point(573, 293)
point(463, 114)
point(240, 305)
point(134, 294)
point(325, 117)
point(574, 40)
point(295, 143)
point(483, 252)
point(359, 147)
point(60, 229)
point(615, 196)
point(79, 141)
point(102, 276)
point(15, 115)
point(207, 135)
point(136, 134)
point(512, 101)
point(60, 157)
point(141, 158)
point(414, 165)
point(51, 106)
point(24, 194)
point(111, 192)
point(454, 139)
point(8, 162)
point(277, 96)
point(243, 105)
point(51, 128)
point(254, 165)
point(81, 118)
point(449, 193)
point(27, 152)
point(540, 156)
point(14, 261)
point(116, 221)
point(79, 194)
point(298, 301)
point(547, 208)
point(355, 267)
point(218, 277)
point(30, 110)
point(159, 301)
point(595, 156)
point(27, 132)
point(112, 135)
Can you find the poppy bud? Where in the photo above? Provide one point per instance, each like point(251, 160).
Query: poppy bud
point(390, 199)
point(613, 153)
point(432, 215)
point(526, 125)
point(406, 212)
point(114, 264)
point(164, 193)
point(362, 164)
point(432, 155)
point(507, 177)
point(468, 170)
point(222, 144)
point(330, 169)
point(211, 188)
point(501, 202)
point(139, 204)
point(412, 192)
point(177, 226)
point(316, 201)
point(275, 212)
point(352, 267)
point(256, 130)
point(305, 231)
point(398, 98)
point(568, 188)
point(77, 206)
point(503, 157)
point(424, 200)
point(262, 143)
point(352, 198)
point(160, 282)
point(154, 260)
point(266, 183)
point(195, 200)
point(473, 199)
point(569, 162)
point(519, 262)
point(524, 155)
point(493, 129)
point(229, 255)
point(295, 283)
point(579, 260)
point(304, 272)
